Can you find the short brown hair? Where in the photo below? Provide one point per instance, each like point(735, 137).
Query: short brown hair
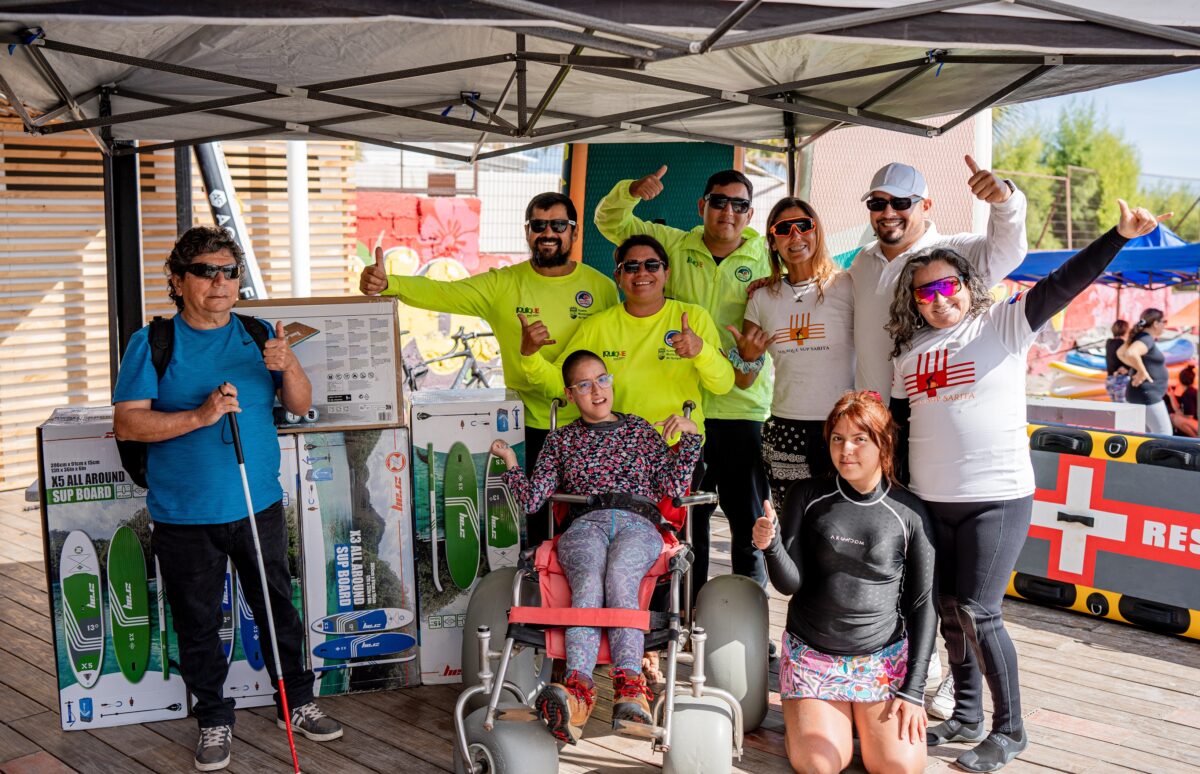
point(866, 411)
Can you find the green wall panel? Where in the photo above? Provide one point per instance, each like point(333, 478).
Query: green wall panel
point(688, 168)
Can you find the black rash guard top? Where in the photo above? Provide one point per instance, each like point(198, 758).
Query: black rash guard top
point(859, 568)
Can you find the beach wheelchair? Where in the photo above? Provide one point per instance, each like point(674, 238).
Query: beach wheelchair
point(698, 724)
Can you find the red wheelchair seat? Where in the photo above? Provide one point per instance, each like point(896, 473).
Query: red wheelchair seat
point(556, 612)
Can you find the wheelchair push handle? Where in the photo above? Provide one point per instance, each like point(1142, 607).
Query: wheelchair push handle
point(555, 405)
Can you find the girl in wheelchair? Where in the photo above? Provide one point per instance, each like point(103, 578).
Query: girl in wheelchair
point(605, 552)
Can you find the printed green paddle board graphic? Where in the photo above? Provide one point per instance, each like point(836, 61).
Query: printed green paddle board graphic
point(129, 603)
point(459, 495)
point(82, 610)
point(502, 531)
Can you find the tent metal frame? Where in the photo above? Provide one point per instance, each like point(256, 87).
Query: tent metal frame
point(625, 52)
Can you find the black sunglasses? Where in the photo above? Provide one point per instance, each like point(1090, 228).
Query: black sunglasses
point(721, 201)
point(875, 204)
point(211, 270)
point(631, 267)
point(784, 227)
point(558, 226)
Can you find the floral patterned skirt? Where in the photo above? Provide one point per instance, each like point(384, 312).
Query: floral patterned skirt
point(806, 673)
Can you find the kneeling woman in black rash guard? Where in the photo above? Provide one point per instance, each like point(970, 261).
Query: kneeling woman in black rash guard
point(959, 362)
point(856, 555)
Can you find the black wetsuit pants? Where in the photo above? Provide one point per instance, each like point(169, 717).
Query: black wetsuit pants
point(977, 545)
point(193, 559)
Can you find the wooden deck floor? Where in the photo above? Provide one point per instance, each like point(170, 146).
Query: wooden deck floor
point(1098, 697)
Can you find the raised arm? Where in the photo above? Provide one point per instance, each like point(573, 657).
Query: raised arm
point(614, 216)
point(783, 552)
point(471, 296)
point(1053, 292)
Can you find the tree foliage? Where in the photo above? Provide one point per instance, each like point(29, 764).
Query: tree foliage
point(1078, 146)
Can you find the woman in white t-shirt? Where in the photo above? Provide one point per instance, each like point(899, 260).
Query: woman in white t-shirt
point(804, 317)
point(959, 384)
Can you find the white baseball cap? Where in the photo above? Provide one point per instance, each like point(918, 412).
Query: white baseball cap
point(898, 180)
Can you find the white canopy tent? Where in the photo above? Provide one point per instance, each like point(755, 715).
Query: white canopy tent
point(531, 74)
point(401, 71)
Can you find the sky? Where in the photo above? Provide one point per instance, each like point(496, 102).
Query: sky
point(1161, 116)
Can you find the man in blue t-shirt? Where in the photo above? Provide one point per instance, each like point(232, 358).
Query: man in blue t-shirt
point(195, 491)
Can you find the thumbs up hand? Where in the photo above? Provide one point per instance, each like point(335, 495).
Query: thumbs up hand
point(1139, 221)
point(373, 279)
point(985, 185)
point(649, 186)
point(765, 527)
point(277, 353)
point(686, 343)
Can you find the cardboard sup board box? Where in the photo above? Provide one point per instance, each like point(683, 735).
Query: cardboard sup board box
point(109, 634)
point(360, 595)
point(452, 433)
point(248, 682)
point(350, 349)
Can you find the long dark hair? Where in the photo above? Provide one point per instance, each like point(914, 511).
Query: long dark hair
point(823, 266)
point(1148, 318)
point(906, 319)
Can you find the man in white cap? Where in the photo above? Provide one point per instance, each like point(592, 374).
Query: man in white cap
point(899, 203)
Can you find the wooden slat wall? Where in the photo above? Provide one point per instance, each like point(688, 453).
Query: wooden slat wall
point(53, 279)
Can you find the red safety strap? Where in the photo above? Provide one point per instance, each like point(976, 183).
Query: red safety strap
point(601, 617)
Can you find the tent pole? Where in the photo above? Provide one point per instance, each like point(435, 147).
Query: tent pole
point(822, 109)
point(522, 94)
point(729, 22)
point(843, 21)
point(123, 247)
point(1119, 22)
point(586, 40)
point(564, 16)
point(995, 97)
point(164, 112)
point(183, 190)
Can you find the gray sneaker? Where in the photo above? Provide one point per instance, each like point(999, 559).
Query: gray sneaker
point(212, 751)
point(941, 704)
point(308, 719)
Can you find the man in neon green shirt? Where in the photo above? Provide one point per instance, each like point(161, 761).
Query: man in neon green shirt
point(543, 299)
point(712, 266)
point(661, 352)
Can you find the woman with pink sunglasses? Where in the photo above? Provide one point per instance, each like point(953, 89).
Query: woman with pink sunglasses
point(959, 386)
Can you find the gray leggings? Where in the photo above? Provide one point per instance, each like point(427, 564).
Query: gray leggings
point(605, 555)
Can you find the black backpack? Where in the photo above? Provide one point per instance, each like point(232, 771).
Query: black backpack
point(162, 344)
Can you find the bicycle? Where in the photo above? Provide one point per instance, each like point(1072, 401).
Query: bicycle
point(470, 374)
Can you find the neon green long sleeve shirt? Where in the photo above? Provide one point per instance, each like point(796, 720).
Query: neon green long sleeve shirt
point(697, 278)
point(649, 379)
point(497, 296)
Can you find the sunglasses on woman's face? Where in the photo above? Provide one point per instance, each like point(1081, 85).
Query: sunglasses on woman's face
point(875, 204)
point(721, 201)
point(944, 287)
point(799, 225)
point(631, 267)
point(211, 270)
point(585, 387)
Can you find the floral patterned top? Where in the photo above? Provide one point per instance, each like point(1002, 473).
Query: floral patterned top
point(626, 455)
